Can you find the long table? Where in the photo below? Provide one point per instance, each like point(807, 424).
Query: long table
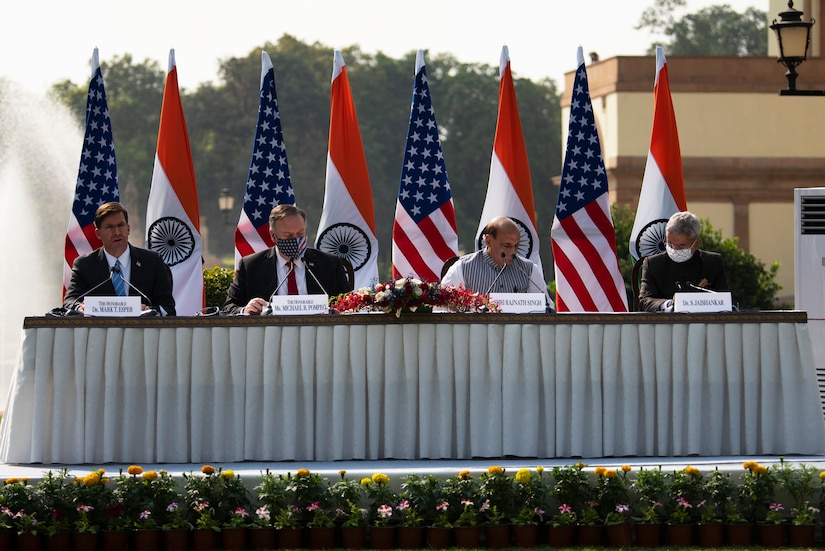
point(377, 386)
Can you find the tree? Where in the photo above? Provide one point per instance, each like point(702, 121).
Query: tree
point(712, 31)
point(752, 284)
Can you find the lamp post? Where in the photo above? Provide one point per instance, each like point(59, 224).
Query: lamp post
point(793, 36)
point(226, 202)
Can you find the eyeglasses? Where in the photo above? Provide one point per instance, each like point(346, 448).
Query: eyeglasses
point(680, 246)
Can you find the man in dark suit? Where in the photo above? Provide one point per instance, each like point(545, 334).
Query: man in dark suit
point(143, 272)
point(681, 267)
point(289, 268)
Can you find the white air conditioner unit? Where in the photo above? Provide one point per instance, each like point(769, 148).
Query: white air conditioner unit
point(809, 251)
point(809, 271)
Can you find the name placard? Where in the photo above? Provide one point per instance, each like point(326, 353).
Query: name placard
point(702, 302)
point(119, 307)
point(519, 303)
point(299, 305)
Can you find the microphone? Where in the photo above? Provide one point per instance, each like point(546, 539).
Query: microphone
point(315, 278)
point(490, 288)
point(268, 310)
point(151, 312)
point(692, 286)
point(72, 310)
point(533, 283)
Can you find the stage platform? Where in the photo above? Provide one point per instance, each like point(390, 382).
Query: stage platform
point(250, 471)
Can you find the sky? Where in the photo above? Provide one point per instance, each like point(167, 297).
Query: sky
point(46, 41)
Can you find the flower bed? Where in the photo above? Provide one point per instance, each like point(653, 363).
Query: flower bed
point(571, 495)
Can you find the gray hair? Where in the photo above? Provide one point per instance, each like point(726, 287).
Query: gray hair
point(685, 223)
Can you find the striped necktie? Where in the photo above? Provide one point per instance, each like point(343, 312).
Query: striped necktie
point(117, 279)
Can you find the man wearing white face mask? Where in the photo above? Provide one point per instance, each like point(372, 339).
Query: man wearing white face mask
point(683, 266)
point(288, 268)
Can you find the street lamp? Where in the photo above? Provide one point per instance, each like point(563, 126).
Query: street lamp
point(226, 202)
point(793, 36)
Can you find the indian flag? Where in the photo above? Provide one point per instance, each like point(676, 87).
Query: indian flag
point(510, 188)
point(347, 226)
point(172, 219)
point(663, 185)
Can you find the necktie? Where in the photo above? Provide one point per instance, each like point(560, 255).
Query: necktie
point(117, 279)
point(291, 281)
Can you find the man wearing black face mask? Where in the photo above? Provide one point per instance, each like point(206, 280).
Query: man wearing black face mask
point(681, 265)
point(290, 268)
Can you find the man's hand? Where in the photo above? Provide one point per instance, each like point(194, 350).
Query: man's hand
point(255, 307)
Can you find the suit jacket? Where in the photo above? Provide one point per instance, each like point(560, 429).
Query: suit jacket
point(257, 277)
point(147, 272)
point(660, 276)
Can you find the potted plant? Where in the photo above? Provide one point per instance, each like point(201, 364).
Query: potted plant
point(650, 489)
point(562, 525)
point(800, 483)
point(54, 491)
point(381, 504)
point(530, 492)
point(716, 490)
point(497, 494)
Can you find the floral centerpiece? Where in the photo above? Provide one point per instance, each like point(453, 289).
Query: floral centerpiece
point(411, 294)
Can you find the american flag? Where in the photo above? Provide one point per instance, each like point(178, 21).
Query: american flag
point(588, 278)
point(268, 183)
point(96, 176)
point(424, 232)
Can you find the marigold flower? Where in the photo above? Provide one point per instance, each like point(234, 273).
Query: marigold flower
point(366, 481)
point(342, 473)
point(302, 473)
point(150, 475)
point(91, 479)
point(610, 473)
point(381, 478)
point(15, 481)
point(228, 474)
point(749, 465)
point(464, 475)
point(693, 471)
point(580, 465)
point(101, 472)
point(822, 475)
point(24, 480)
point(599, 471)
point(208, 469)
point(539, 469)
point(134, 469)
point(627, 468)
point(495, 469)
point(760, 469)
point(523, 476)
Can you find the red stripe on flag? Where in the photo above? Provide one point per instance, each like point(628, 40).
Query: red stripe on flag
point(595, 261)
point(419, 265)
point(577, 285)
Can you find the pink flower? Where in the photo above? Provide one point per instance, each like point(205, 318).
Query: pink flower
point(484, 506)
point(403, 505)
point(145, 514)
point(777, 507)
point(443, 506)
point(313, 507)
point(85, 508)
point(172, 507)
point(564, 508)
point(241, 512)
point(262, 512)
point(385, 511)
point(682, 502)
